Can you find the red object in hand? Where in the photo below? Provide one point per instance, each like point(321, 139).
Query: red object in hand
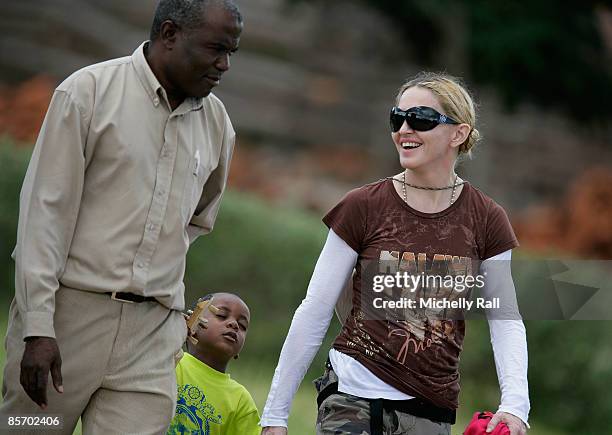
point(478, 425)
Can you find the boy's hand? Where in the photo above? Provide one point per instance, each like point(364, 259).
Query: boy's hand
point(274, 430)
point(187, 314)
point(202, 323)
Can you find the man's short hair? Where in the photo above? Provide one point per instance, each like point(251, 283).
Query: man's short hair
point(187, 14)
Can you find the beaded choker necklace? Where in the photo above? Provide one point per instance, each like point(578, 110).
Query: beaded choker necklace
point(405, 183)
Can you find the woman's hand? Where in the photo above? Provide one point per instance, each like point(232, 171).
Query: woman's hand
point(274, 430)
point(515, 424)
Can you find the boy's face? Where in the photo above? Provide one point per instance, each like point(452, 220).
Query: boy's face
point(226, 330)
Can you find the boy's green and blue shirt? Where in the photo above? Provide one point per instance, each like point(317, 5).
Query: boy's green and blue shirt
point(211, 403)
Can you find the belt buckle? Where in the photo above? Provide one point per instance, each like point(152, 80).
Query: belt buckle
point(115, 298)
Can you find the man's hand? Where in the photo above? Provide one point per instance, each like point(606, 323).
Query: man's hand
point(275, 430)
point(41, 354)
point(515, 424)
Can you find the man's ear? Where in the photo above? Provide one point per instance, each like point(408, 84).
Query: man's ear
point(168, 34)
point(460, 135)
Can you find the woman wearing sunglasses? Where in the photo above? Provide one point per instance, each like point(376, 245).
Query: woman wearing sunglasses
point(396, 371)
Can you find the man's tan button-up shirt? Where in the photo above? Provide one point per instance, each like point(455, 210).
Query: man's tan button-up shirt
point(117, 188)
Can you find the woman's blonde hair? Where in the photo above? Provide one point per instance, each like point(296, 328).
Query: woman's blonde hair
point(455, 99)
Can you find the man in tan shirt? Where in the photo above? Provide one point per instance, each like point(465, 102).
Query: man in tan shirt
point(129, 168)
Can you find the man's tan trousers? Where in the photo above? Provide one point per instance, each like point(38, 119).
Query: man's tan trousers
point(117, 365)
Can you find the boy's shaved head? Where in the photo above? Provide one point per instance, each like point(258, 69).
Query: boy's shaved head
point(225, 332)
point(213, 295)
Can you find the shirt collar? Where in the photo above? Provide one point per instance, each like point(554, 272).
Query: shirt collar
point(152, 86)
point(206, 368)
point(145, 74)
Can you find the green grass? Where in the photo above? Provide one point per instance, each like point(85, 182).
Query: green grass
point(304, 413)
point(256, 377)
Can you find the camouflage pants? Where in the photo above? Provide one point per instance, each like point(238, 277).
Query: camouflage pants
point(344, 414)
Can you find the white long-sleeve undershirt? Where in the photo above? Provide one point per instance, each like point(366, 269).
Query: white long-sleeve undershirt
point(312, 318)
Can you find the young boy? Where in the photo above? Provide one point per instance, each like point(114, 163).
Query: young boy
point(209, 402)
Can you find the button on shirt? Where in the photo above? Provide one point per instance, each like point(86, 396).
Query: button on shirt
point(117, 188)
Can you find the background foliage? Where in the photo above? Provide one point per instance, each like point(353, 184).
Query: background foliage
point(542, 52)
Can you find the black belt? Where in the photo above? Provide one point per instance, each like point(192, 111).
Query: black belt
point(130, 297)
point(416, 407)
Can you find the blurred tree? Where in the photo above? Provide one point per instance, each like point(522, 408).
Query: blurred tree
point(543, 52)
point(13, 163)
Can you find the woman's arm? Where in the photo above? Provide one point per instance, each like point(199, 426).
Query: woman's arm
point(508, 337)
point(308, 327)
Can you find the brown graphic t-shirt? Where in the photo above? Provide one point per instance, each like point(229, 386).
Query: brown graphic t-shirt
point(416, 353)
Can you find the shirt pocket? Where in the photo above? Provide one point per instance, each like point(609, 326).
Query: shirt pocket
point(196, 177)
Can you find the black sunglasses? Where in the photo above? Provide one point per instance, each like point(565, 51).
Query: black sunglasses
point(419, 118)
